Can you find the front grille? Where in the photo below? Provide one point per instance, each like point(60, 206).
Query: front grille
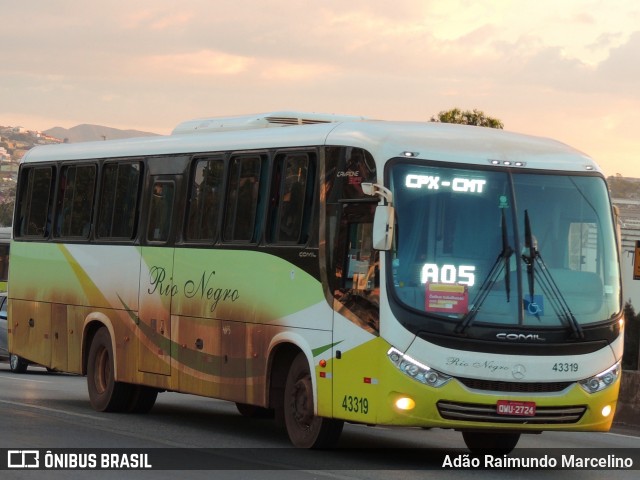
point(474, 412)
point(513, 387)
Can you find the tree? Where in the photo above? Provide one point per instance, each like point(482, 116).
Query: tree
point(6, 213)
point(467, 117)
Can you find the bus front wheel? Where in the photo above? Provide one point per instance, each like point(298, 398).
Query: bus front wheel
point(17, 364)
point(495, 443)
point(252, 411)
point(105, 394)
point(305, 429)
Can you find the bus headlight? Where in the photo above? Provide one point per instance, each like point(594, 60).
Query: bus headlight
point(416, 370)
point(602, 380)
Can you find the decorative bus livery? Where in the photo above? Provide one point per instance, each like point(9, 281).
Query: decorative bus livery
point(326, 269)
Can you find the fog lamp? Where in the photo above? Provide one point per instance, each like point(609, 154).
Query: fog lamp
point(405, 403)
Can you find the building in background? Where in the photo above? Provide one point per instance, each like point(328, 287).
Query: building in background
point(630, 229)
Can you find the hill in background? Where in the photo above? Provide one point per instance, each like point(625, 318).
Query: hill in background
point(90, 133)
point(624, 187)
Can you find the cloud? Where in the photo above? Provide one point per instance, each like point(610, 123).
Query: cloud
point(283, 71)
point(620, 72)
point(157, 18)
point(208, 63)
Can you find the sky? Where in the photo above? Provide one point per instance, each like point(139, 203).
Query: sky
point(567, 69)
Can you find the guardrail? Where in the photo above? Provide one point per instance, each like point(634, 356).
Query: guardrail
point(628, 411)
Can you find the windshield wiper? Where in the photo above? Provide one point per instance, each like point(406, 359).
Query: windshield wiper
point(546, 281)
point(506, 253)
point(530, 254)
point(501, 263)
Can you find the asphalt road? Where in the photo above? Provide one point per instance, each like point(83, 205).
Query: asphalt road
point(50, 412)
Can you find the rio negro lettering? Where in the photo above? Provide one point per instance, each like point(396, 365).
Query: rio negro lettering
point(202, 288)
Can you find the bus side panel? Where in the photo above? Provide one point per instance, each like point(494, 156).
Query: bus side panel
point(222, 359)
point(233, 303)
point(59, 338)
point(197, 354)
point(233, 365)
point(30, 330)
point(356, 371)
point(257, 347)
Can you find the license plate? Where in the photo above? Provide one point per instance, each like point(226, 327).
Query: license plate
point(518, 409)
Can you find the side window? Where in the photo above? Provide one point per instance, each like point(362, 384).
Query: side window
point(355, 281)
point(242, 198)
point(160, 211)
point(34, 206)
point(362, 260)
point(347, 168)
point(292, 198)
point(119, 200)
point(74, 207)
point(205, 200)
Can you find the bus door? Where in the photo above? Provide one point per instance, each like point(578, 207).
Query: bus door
point(356, 290)
point(156, 282)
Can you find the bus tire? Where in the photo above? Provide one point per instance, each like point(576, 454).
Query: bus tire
point(494, 443)
point(17, 364)
point(253, 411)
point(305, 429)
point(142, 399)
point(105, 394)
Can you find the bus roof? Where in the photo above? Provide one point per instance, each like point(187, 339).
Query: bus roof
point(383, 139)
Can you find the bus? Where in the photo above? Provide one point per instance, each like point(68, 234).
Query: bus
point(325, 269)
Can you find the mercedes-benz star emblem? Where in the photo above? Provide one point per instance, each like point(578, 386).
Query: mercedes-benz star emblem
point(518, 371)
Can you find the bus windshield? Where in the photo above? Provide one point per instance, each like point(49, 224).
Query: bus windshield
point(507, 247)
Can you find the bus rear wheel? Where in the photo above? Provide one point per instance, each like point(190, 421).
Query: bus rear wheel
point(305, 429)
point(105, 394)
point(495, 443)
point(142, 398)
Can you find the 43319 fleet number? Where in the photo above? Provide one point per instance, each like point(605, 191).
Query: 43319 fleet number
point(565, 367)
point(355, 404)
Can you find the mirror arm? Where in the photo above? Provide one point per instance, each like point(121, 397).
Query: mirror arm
point(375, 189)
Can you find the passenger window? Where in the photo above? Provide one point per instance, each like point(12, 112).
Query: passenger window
point(160, 212)
point(75, 201)
point(205, 199)
point(242, 198)
point(34, 205)
point(292, 198)
point(119, 200)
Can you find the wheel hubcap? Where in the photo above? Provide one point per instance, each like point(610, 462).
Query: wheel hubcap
point(102, 370)
point(302, 402)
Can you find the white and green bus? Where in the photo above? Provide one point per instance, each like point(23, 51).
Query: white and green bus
point(326, 269)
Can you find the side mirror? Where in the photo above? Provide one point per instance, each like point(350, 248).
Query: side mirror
point(383, 225)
